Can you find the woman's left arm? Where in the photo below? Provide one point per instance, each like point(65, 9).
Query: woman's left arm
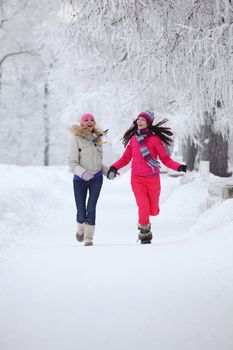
point(164, 156)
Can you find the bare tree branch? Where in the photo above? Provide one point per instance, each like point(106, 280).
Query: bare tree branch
point(4, 58)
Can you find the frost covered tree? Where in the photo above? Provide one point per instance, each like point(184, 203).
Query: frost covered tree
point(207, 77)
point(22, 83)
point(114, 58)
point(160, 51)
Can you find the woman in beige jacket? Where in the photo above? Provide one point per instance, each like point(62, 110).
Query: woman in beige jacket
point(85, 161)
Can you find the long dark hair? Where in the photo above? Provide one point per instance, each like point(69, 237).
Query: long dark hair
point(163, 132)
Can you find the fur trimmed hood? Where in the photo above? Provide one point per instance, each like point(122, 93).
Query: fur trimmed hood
point(80, 131)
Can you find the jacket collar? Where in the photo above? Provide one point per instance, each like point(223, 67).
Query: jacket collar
point(80, 131)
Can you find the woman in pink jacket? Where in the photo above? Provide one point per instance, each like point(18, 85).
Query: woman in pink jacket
point(144, 143)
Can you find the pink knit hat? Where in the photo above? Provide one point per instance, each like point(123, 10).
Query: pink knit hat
point(87, 116)
point(148, 115)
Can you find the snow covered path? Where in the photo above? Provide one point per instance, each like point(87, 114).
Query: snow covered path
point(173, 294)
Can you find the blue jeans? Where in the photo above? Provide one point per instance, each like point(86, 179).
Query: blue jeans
point(86, 209)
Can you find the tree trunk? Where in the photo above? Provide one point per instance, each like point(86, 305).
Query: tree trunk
point(46, 126)
point(190, 154)
point(218, 155)
point(0, 84)
point(205, 135)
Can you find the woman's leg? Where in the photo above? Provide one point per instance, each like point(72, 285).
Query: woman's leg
point(153, 189)
point(80, 194)
point(139, 188)
point(94, 186)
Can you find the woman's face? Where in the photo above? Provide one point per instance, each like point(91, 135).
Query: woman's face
point(88, 124)
point(142, 123)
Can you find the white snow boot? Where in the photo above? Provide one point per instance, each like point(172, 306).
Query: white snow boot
point(80, 231)
point(89, 234)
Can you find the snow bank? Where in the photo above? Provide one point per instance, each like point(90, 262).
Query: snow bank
point(27, 195)
point(215, 218)
point(134, 296)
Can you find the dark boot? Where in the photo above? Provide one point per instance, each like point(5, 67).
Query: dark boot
point(145, 234)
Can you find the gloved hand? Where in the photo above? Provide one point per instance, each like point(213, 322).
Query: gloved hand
point(111, 174)
point(87, 175)
point(183, 168)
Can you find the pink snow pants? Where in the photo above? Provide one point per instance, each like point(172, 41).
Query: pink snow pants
point(146, 190)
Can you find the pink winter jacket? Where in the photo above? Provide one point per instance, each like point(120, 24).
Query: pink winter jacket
point(139, 165)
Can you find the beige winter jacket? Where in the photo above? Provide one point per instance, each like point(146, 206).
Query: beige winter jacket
point(85, 151)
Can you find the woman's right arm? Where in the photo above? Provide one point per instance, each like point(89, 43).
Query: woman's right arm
point(125, 158)
point(73, 157)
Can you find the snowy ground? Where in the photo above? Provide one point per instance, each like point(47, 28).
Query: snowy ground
point(117, 295)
